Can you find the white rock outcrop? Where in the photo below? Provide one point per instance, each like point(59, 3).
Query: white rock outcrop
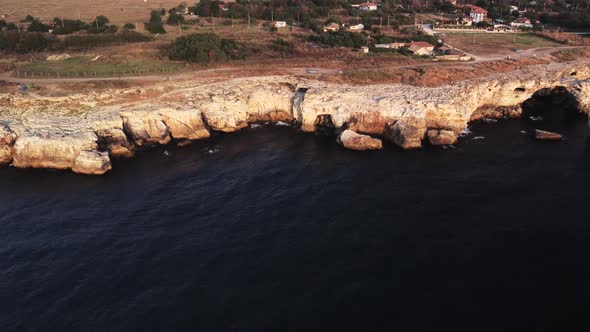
point(83, 131)
point(145, 128)
point(353, 141)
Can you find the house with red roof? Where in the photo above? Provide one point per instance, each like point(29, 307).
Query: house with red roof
point(368, 6)
point(477, 14)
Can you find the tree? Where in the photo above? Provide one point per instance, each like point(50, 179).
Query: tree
point(65, 27)
point(129, 27)
point(202, 48)
point(32, 42)
point(155, 25)
point(175, 18)
point(99, 25)
point(100, 21)
point(37, 26)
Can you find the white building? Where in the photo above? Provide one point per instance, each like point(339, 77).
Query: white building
point(280, 24)
point(357, 27)
point(368, 6)
point(477, 14)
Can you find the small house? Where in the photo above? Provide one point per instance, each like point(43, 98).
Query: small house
point(368, 6)
point(477, 14)
point(280, 24)
point(357, 27)
point(421, 48)
point(331, 27)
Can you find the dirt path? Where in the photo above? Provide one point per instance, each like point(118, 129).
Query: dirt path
point(209, 75)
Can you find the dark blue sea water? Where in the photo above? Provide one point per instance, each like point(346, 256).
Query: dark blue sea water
point(278, 230)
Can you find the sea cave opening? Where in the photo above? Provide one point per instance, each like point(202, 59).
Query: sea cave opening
point(552, 109)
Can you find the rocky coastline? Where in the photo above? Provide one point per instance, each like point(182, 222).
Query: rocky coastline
point(84, 132)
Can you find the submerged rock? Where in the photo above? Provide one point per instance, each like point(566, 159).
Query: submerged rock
point(92, 163)
point(351, 140)
point(547, 135)
point(441, 137)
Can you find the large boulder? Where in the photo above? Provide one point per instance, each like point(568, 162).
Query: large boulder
point(407, 133)
point(351, 140)
point(441, 137)
point(185, 124)
point(543, 135)
point(146, 128)
point(92, 163)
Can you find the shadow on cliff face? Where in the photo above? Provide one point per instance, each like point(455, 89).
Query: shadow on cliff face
point(324, 126)
point(552, 109)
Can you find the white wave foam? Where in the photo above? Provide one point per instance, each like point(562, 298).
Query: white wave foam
point(465, 132)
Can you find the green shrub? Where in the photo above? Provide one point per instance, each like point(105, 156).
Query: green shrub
point(129, 27)
point(174, 19)
point(88, 41)
point(202, 48)
point(37, 26)
point(66, 27)
point(24, 42)
point(340, 39)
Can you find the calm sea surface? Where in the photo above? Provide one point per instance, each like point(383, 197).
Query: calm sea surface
point(271, 229)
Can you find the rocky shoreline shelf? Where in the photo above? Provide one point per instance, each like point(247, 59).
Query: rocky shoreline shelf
point(82, 132)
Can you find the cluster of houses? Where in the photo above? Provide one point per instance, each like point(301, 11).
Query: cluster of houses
point(366, 6)
point(333, 27)
point(478, 14)
point(421, 48)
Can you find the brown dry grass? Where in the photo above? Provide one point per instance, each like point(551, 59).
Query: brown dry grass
point(495, 43)
point(119, 12)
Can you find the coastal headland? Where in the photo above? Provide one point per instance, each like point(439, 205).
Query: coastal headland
point(84, 131)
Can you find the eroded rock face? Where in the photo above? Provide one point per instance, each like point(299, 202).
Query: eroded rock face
point(407, 133)
point(7, 139)
point(92, 163)
point(371, 122)
point(112, 138)
point(145, 128)
point(184, 124)
point(496, 112)
point(441, 137)
point(69, 131)
point(270, 103)
point(351, 140)
point(39, 150)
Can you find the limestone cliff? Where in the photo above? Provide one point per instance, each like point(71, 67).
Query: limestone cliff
point(83, 132)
